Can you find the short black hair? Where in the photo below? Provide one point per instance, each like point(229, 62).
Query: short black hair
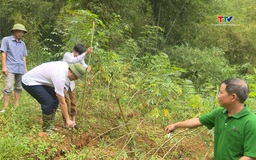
point(237, 86)
point(80, 48)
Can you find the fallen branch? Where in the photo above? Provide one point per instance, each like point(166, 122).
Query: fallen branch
point(113, 143)
point(127, 142)
point(178, 142)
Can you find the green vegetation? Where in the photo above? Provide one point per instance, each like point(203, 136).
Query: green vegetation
point(154, 62)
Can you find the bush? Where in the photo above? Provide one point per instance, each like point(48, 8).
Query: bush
point(203, 66)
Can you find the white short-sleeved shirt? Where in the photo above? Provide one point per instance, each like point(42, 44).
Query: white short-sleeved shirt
point(54, 74)
point(70, 58)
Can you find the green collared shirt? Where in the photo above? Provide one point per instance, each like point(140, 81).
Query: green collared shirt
point(234, 136)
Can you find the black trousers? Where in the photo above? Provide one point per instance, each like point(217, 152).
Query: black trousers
point(45, 95)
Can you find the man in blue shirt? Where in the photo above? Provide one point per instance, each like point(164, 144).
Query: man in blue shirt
point(14, 54)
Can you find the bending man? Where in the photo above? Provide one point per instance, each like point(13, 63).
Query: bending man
point(46, 84)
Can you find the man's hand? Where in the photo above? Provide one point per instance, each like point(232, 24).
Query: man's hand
point(191, 123)
point(64, 110)
point(247, 158)
point(170, 128)
point(5, 71)
point(88, 69)
point(89, 50)
point(70, 123)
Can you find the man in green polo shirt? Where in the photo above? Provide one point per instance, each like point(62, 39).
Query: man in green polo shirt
point(234, 124)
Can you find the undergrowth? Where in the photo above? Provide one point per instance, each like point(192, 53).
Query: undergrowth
point(122, 113)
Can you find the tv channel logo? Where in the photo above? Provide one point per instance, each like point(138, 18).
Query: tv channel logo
point(224, 19)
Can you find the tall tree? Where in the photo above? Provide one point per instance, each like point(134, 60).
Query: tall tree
point(126, 17)
point(38, 17)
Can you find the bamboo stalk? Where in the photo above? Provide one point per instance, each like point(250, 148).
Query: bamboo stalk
point(93, 25)
point(85, 79)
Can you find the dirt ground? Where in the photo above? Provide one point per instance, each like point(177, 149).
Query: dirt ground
point(189, 148)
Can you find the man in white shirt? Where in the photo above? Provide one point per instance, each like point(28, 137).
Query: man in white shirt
point(46, 84)
point(77, 56)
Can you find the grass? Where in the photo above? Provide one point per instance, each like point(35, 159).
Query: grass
point(102, 132)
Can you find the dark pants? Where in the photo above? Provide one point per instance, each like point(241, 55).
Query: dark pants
point(45, 95)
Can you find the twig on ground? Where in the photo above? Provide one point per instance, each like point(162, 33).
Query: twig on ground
point(108, 131)
point(127, 142)
point(114, 142)
point(179, 142)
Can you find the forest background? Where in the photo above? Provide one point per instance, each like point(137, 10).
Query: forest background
point(155, 62)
